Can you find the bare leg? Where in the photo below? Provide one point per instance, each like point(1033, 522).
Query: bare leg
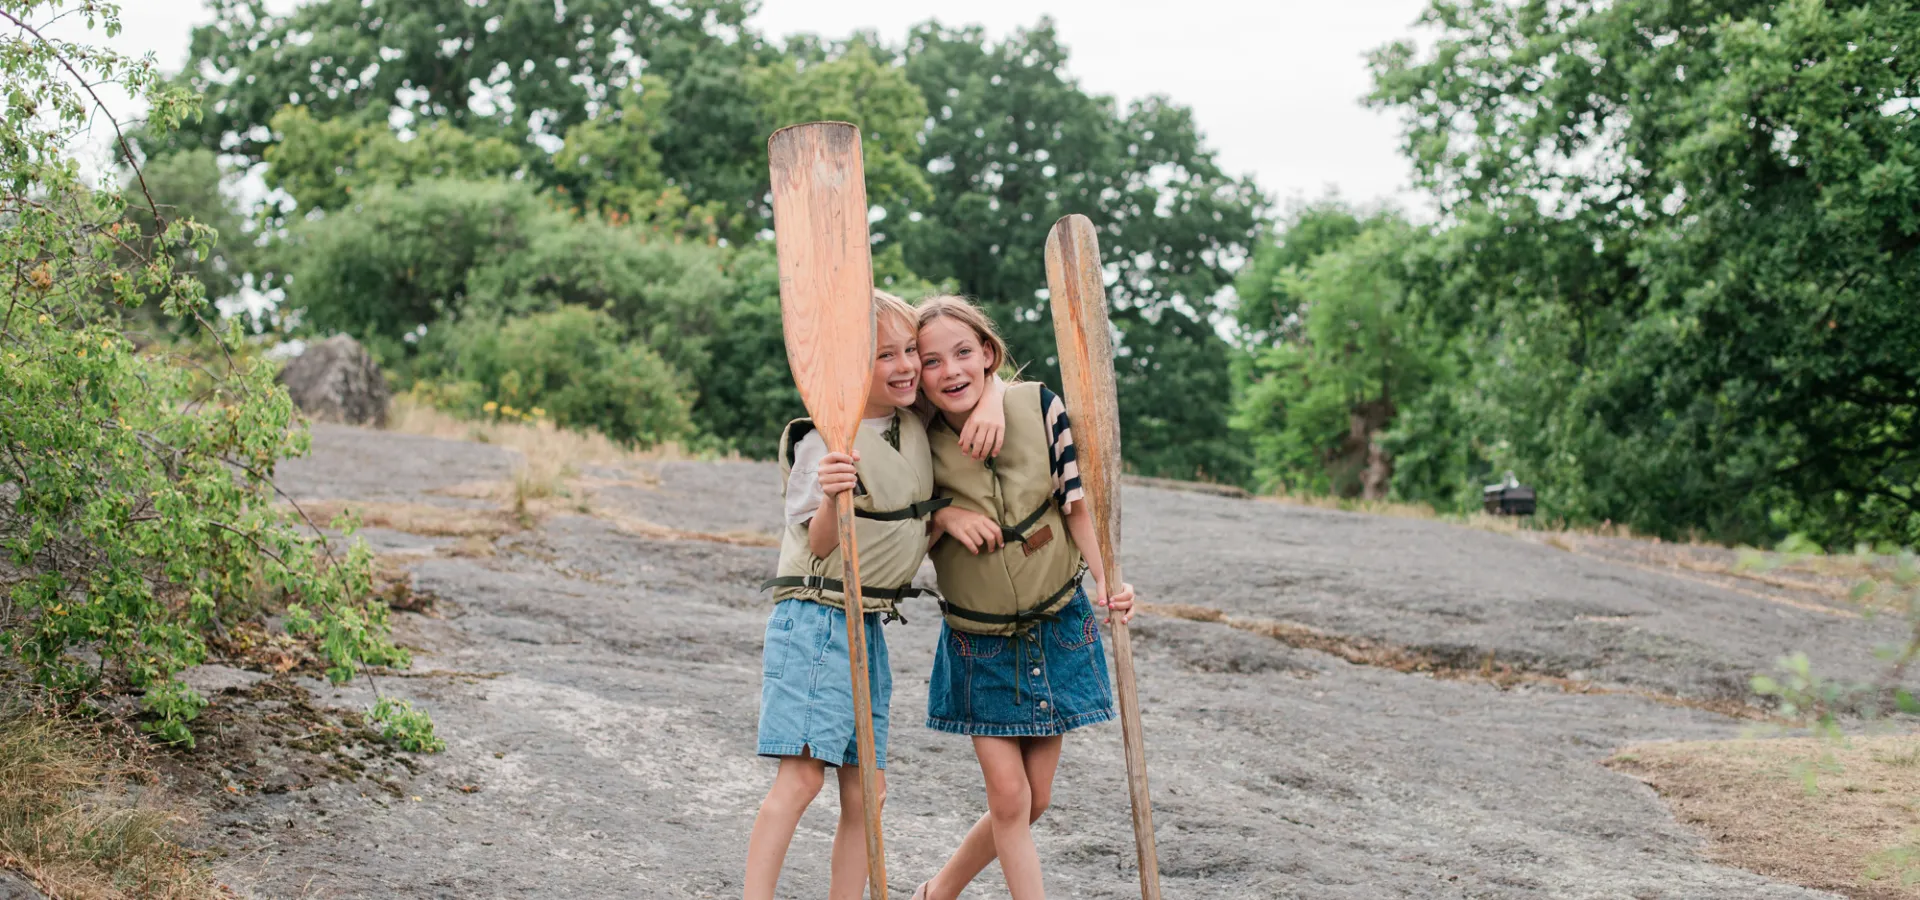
point(1019, 780)
point(794, 786)
point(850, 837)
point(1041, 757)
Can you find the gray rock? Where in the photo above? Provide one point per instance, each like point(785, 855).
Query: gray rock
point(15, 886)
point(212, 679)
point(336, 380)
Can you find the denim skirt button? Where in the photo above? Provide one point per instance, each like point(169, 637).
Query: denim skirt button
point(1036, 670)
point(1043, 704)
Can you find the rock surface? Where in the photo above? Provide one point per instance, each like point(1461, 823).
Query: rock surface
point(601, 738)
point(15, 886)
point(336, 380)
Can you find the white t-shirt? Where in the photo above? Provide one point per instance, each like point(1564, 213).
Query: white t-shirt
point(803, 481)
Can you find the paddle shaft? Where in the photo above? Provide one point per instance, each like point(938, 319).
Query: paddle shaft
point(1134, 745)
point(1078, 297)
point(862, 701)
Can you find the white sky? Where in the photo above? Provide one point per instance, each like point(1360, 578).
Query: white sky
point(1274, 84)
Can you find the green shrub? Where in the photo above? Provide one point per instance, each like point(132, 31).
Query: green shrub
point(136, 507)
point(572, 365)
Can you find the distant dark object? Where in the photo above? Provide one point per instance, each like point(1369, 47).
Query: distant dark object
point(1508, 498)
point(336, 380)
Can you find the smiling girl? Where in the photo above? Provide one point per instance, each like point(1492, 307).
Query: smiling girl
point(1020, 661)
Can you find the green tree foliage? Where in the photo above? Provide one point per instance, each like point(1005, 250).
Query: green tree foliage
point(1345, 352)
point(1014, 145)
point(402, 264)
point(576, 366)
point(402, 257)
point(135, 502)
point(972, 148)
point(1686, 253)
point(853, 83)
point(321, 162)
point(512, 69)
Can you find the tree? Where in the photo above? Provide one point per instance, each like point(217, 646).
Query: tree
point(1708, 213)
point(1351, 356)
point(400, 258)
point(321, 163)
point(1015, 144)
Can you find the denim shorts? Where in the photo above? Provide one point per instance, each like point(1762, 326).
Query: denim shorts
point(1047, 681)
point(806, 687)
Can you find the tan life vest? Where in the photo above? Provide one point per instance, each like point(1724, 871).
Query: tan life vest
point(1034, 573)
point(891, 505)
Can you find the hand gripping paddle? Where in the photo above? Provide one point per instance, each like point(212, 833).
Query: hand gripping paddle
point(1079, 297)
point(826, 305)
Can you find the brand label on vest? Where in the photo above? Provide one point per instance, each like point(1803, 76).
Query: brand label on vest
point(1040, 539)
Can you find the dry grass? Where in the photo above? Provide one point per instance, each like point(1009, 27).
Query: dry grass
point(547, 449)
point(1346, 504)
point(75, 820)
point(548, 477)
point(417, 518)
point(1841, 818)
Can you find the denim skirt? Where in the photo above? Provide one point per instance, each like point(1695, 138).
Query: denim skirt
point(1047, 681)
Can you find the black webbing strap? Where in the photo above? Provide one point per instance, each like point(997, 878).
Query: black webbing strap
point(1018, 533)
point(1021, 618)
point(822, 583)
point(919, 510)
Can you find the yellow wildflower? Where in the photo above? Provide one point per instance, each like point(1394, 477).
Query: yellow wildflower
point(490, 406)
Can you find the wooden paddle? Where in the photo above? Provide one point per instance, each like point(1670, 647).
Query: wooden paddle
point(826, 304)
point(1078, 292)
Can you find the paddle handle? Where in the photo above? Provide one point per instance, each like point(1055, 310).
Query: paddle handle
point(862, 700)
point(1134, 745)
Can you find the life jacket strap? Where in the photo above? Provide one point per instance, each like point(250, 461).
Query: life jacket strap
point(823, 583)
point(1020, 620)
point(1018, 533)
point(919, 510)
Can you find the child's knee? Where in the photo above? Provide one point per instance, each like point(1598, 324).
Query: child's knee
point(1009, 799)
point(852, 794)
point(799, 782)
point(1038, 805)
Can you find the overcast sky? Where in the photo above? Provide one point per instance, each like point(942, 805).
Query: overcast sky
point(1276, 86)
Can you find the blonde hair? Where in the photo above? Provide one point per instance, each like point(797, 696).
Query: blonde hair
point(962, 310)
point(888, 308)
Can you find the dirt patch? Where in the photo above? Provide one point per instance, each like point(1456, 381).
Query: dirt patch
point(1454, 664)
point(271, 738)
point(1827, 816)
point(640, 528)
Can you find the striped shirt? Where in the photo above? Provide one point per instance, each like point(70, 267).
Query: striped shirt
point(1061, 457)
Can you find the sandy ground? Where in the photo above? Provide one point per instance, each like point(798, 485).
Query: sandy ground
point(613, 754)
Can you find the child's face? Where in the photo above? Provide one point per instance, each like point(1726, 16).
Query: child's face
point(954, 367)
point(896, 367)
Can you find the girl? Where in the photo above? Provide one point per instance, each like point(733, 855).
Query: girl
point(1020, 661)
point(806, 693)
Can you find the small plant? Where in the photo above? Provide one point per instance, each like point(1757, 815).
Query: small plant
point(137, 513)
point(1890, 585)
point(405, 727)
